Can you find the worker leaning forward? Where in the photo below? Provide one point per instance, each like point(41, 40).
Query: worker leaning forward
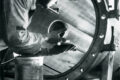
point(15, 17)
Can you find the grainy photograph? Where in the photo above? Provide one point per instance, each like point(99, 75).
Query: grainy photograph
point(59, 39)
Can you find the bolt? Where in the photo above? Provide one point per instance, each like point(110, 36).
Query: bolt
point(103, 16)
point(81, 70)
point(101, 36)
point(99, 1)
point(93, 55)
point(59, 43)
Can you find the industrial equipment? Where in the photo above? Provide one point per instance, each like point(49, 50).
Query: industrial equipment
point(93, 27)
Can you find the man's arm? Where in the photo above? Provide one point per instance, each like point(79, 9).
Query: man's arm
point(18, 37)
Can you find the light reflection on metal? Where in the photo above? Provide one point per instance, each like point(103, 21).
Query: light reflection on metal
point(101, 36)
point(81, 70)
point(103, 16)
point(99, 1)
point(81, 33)
point(93, 55)
point(66, 79)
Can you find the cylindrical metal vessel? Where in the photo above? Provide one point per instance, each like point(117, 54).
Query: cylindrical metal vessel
point(29, 68)
point(85, 27)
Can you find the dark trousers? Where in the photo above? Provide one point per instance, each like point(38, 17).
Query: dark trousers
point(2, 55)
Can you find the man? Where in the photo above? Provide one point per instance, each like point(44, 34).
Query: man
point(15, 17)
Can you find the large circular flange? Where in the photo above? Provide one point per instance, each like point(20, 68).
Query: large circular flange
point(92, 54)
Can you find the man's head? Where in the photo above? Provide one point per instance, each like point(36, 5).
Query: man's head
point(47, 3)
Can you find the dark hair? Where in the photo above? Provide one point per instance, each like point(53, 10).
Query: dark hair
point(43, 2)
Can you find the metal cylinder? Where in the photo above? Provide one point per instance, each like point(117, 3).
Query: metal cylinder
point(29, 68)
point(81, 40)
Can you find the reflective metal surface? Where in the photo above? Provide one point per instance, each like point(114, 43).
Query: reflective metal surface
point(80, 19)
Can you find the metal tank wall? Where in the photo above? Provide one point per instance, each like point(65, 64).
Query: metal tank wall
point(83, 19)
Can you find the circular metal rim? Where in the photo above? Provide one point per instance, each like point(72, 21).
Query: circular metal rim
point(48, 31)
point(85, 64)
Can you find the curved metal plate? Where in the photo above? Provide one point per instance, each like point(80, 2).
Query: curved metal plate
point(94, 25)
point(80, 35)
point(82, 62)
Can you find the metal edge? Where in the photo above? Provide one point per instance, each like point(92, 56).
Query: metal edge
point(87, 62)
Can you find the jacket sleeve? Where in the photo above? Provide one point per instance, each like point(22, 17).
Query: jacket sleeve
point(18, 37)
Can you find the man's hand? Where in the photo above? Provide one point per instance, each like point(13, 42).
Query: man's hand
point(55, 50)
point(56, 40)
point(52, 39)
point(46, 44)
